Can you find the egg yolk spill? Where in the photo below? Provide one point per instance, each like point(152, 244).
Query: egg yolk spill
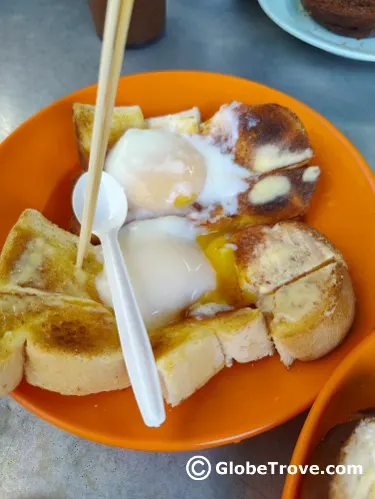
point(221, 254)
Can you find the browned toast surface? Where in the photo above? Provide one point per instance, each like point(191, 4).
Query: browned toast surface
point(38, 254)
point(263, 137)
point(83, 119)
point(268, 257)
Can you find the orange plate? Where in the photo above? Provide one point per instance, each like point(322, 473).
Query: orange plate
point(36, 165)
point(350, 389)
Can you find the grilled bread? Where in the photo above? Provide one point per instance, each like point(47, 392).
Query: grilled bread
point(71, 346)
point(191, 352)
point(301, 283)
point(123, 117)
point(269, 257)
point(64, 344)
point(187, 355)
point(183, 122)
point(296, 282)
point(310, 317)
point(242, 333)
point(37, 254)
point(263, 137)
point(49, 313)
point(269, 198)
point(358, 450)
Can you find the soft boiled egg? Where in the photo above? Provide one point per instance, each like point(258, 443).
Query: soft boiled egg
point(158, 169)
point(162, 171)
point(167, 267)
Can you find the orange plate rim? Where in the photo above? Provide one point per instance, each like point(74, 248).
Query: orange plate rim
point(231, 436)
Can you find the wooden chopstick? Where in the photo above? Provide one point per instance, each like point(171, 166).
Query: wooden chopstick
point(116, 29)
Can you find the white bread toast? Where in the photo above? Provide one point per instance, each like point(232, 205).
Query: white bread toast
point(310, 317)
point(191, 352)
point(243, 333)
point(301, 282)
point(49, 295)
point(38, 254)
point(67, 345)
point(358, 450)
point(269, 257)
point(270, 197)
point(183, 122)
point(71, 346)
point(187, 356)
point(123, 117)
point(263, 137)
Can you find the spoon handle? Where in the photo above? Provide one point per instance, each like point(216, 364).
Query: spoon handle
point(135, 343)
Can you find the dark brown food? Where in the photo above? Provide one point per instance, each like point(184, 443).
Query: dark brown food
point(352, 18)
point(147, 22)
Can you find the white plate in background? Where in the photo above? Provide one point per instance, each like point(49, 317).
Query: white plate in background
point(291, 17)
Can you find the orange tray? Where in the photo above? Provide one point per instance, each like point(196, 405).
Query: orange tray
point(350, 389)
point(37, 162)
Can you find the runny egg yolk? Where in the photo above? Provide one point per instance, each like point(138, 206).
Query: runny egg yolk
point(158, 169)
point(221, 255)
point(173, 268)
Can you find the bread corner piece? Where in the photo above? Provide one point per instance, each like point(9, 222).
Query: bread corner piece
point(242, 333)
point(40, 255)
point(12, 344)
point(123, 118)
point(188, 355)
point(310, 317)
point(183, 122)
point(359, 450)
point(65, 345)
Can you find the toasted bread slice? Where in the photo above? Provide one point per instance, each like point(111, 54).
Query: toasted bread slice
point(124, 117)
point(71, 345)
point(310, 317)
point(38, 254)
point(269, 198)
point(188, 355)
point(184, 122)
point(242, 333)
point(12, 359)
point(263, 137)
point(359, 450)
point(269, 257)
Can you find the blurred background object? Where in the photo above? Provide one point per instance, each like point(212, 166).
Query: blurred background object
point(147, 23)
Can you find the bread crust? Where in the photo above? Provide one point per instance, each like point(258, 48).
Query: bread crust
point(66, 345)
point(269, 257)
point(247, 131)
point(124, 117)
point(326, 319)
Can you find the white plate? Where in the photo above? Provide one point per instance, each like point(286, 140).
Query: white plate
point(291, 16)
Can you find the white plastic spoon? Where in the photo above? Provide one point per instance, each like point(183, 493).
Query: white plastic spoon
point(110, 215)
